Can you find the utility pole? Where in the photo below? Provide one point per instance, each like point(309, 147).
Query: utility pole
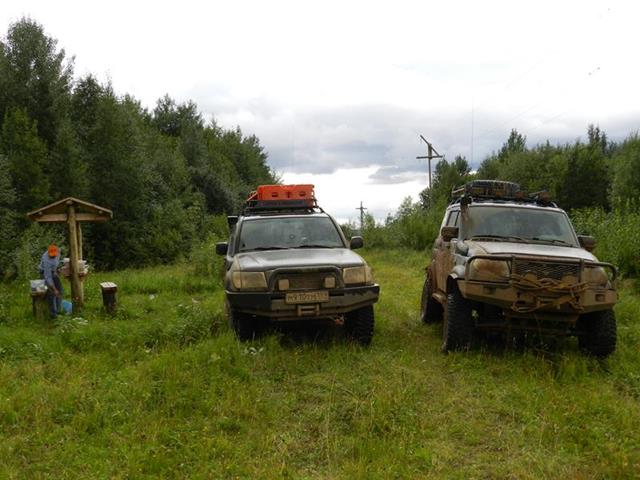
point(430, 155)
point(362, 209)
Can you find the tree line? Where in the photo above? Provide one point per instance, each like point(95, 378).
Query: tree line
point(167, 172)
point(596, 180)
point(164, 172)
point(596, 173)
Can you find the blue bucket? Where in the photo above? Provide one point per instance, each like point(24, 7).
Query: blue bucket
point(67, 307)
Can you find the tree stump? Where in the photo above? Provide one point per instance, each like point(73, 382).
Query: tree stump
point(109, 298)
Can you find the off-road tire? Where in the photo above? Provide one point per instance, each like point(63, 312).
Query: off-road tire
point(243, 324)
point(457, 331)
point(598, 333)
point(430, 308)
point(359, 325)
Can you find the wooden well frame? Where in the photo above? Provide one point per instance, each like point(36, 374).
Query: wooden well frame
point(73, 212)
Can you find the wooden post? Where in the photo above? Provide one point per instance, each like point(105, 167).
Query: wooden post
point(40, 305)
point(80, 255)
point(430, 155)
point(109, 300)
point(76, 286)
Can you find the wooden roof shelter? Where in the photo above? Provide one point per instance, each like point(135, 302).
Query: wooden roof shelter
point(57, 212)
point(73, 212)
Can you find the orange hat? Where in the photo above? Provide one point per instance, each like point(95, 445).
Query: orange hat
point(53, 250)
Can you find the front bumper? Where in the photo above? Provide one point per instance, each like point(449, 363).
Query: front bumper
point(511, 299)
point(273, 305)
point(524, 295)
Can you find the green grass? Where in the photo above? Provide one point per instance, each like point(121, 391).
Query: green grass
point(165, 390)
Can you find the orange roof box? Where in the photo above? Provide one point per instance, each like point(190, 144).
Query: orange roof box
point(284, 192)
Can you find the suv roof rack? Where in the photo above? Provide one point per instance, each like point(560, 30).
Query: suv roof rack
point(497, 190)
point(275, 199)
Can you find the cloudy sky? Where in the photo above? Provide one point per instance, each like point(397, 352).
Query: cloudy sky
point(338, 92)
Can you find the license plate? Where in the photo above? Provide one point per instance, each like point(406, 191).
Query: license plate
point(307, 297)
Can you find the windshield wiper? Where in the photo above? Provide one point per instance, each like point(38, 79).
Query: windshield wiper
point(552, 240)
point(499, 237)
point(311, 245)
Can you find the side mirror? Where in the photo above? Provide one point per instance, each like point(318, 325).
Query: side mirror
point(587, 242)
point(449, 233)
point(232, 220)
point(356, 242)
point(221, 248)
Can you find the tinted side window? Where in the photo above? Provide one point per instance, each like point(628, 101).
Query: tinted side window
point(445, 219)
point(452, 220)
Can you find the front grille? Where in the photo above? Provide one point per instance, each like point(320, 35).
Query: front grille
point(546, 270)
point(304, 281)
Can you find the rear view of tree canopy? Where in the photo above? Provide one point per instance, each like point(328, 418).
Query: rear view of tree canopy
point(164, 172)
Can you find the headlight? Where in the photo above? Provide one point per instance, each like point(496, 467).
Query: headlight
point(249, 280)
point(595, 276)
point(486, 270)
point(353, 275)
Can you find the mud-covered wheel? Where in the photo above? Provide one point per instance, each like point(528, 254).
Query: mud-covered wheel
point(430, 308)
point(598, 333)
point(359, 325)
point(458, 323)
point(243, 324)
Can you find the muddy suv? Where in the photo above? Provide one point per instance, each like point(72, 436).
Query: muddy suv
point(286, 260)
point(507, 261)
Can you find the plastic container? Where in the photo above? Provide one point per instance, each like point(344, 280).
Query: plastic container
point(38, 286)
point(83, 268)
point(67, 307)
point(285, 192)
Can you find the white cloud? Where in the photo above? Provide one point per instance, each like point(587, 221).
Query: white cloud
point(346, 87)
point(340, 193)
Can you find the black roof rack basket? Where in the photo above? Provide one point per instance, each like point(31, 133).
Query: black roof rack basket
point(497, 190)
point(278, 206)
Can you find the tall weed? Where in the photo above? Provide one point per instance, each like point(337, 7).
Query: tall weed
point(617, 235)
point(33, 243)
point(412, 226)
point(4, 306)
point(203, 255)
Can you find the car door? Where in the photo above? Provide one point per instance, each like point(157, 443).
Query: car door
point(444, 251)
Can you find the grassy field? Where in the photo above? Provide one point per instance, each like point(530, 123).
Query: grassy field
point(165, 390)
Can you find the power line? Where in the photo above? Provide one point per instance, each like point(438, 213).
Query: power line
point(512, 119)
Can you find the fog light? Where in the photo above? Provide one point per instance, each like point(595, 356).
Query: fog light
point(329, 282)
point(283, 284)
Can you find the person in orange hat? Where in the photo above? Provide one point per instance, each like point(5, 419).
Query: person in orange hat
point(49, 271)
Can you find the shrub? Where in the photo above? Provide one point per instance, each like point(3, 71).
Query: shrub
point(617, 235)
point(203, 255)
point(412, 226)
point(33, 244)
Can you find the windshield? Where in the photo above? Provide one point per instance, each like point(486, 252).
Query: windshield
point(289, 232)
point(517, 224)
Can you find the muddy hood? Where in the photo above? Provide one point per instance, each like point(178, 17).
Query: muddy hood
point(292, 258)
point(511, 248)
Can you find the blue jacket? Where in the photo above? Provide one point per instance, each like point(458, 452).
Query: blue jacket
point(49, 268)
